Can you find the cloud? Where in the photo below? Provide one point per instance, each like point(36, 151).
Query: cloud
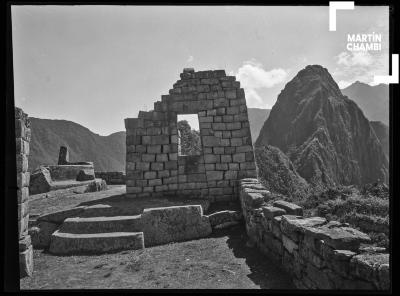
point(190, 59)
point(253, 77)
point(359, 66)
point(343, 84)
point(359, 58)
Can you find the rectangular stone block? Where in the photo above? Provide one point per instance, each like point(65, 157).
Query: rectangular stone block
point(163, 174)
point(148, 157)
point(26, 262)
point(233, 126)
point(230, 175)
point(22, 146)
point(23, 209)
point(271, 212)
point(22, 194)
point(211, 158)
point(144, 166)
point(290, 208)
point(154, 149)
point(157, 166)
point(159, 140)
point(230, 94)
point(236, 142)
point(210, 141)
point(239, 157)
point(23, 179)
point(162, 157)
point(23, 225)
point(155, 182)
point(221, 166)
point(150, 175)
point(22, 163)
point(214, 175)
point(133, 157)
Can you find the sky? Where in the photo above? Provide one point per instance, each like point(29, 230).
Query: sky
point(97, 65)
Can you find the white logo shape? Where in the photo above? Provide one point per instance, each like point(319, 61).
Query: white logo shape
point(335, 5)
point(394, 78)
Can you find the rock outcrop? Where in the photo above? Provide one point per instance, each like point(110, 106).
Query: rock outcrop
point(325, 134)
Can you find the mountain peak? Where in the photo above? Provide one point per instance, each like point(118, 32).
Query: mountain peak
point(327, 138)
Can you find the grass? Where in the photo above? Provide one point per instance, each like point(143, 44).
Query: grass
point(366, 209)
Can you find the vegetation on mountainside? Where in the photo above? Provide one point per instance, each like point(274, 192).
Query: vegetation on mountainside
point(189, 139)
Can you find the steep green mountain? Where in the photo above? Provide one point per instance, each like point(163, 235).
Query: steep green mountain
point(325, 134)
point(107, 152)
point(382, 132)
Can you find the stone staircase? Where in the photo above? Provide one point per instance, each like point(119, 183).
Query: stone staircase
point(63, 243)
point(90, 230)
point(102, 228)
point(97, 235)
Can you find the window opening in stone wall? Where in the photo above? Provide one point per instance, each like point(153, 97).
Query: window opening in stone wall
point(189, 140)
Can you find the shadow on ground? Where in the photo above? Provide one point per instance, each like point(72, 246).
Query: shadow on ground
point(265, 272)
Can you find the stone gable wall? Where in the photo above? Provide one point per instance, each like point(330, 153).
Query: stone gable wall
point(153, 167)
point(22, 139)
point(317, 253)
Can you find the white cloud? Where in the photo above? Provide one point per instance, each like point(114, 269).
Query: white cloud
point(343, 84)
point(359, 58)
point(359, 66)
point(190, 59)
point(253, 77)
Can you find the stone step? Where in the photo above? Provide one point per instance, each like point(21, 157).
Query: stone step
point(95, 243)
point(82, 225)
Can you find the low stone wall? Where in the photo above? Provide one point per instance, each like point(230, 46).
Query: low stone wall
point(68, 172)
point(317, 253)
point(112, 178)
point(23, 136)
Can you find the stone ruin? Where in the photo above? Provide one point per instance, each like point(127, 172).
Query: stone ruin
point(22, 139)
point(317, 253)
point(153, 166)
point(65, 174)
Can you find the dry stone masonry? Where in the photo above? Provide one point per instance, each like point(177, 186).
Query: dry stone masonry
point(317, 253)
point(111, 178)
point(23, 136)
point(65, 174)
point(153, 167)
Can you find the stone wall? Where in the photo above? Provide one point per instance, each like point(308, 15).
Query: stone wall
point(317, 253)
point(153, 167)
point(69, 172)
point(112, 178)
point(22, 139)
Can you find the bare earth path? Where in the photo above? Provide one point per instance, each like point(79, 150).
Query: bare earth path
point(221, 261)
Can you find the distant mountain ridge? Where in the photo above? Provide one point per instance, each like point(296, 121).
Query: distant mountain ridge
point(257, 117)
point(373, 100)
point(325, 134)
point(107, 152)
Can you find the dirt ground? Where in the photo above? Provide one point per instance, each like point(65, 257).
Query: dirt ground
point(221, 261)
point(113, 196)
